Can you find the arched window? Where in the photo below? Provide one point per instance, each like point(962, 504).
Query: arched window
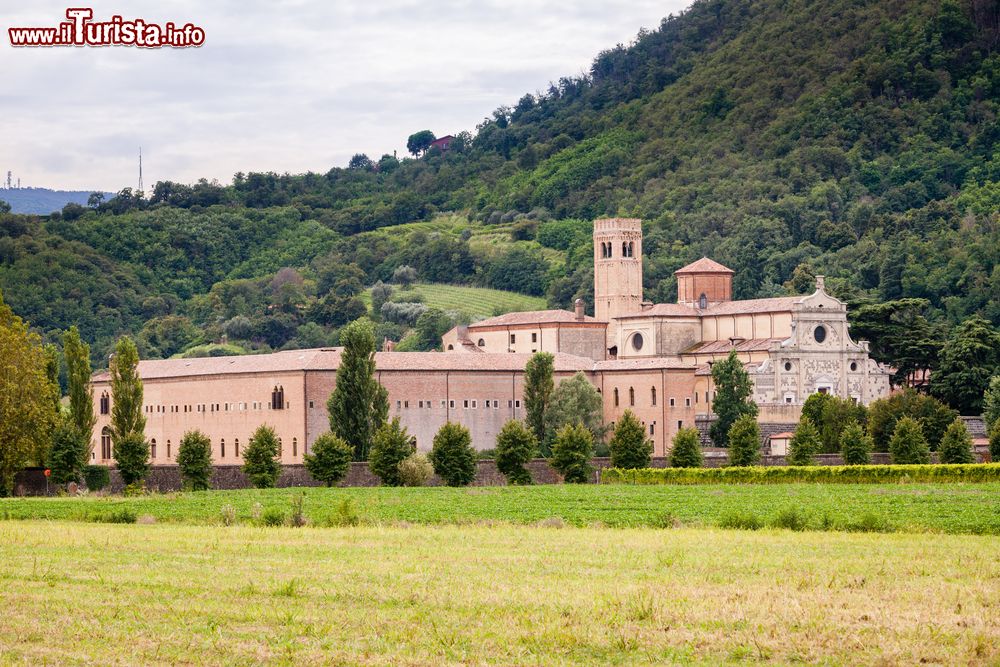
point(222, 448)
point(278, 398)
point(481, 343)
point(631, 249)
point(105, 403)
point(616, 396)
point(631, 396)
point(652, 392)
point(295, 446)
point(703, 302)
point(152, 448)
point(168, 450)
point(236, 446)
point(450, 347)
point(624, 249)
point(106, 443)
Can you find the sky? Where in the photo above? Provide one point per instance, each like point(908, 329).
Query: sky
point(289, 86)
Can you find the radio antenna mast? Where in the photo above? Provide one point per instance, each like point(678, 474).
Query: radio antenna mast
point(140, 170)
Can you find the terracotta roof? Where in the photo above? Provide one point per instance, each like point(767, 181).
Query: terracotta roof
point(664, 310)
point(719, 346)
point(533, 317)
point(650, 363)
point(329, 359)
point(706, 369)
point(704, 265)
point(772, 305)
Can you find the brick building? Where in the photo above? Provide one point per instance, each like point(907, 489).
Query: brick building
point(653, 359)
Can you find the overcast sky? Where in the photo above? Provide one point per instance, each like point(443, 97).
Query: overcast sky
point(283, 86)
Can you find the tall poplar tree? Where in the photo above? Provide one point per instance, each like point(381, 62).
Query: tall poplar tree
point(81, 396)
point(733, 389)
point(128, 424)
point(538, 388)
point(359, 404)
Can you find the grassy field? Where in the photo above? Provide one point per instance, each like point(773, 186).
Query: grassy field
point(944, 508)
point(165, 594)
point(477, 302)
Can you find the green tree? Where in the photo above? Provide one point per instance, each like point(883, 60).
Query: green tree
point(516, 446)
point(330, 459)
point(67, 453)
point(969, 358)
point(359, 405)
point(575, 401)
point(837, 414)
point(52, 374)
point(744, 442)
point(804, 445)
point(418, 142)
point(128, 424)
point(452, 455)
point(991, 403)
point(194, 460)
point(995, 443)
point(812, 408)
point(733, 389)
point(571, 452)
point(390, 447)
point(908, 444)
point(855, 445)
point(956, 445)
point(899, 334)
point(538, 388)
point(81, 396)
point(686, 449)
point(260, 459)
point(629, 446)
point(933, 415)
point(431, 325)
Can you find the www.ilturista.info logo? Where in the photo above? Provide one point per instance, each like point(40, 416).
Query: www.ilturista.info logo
point(80, 30)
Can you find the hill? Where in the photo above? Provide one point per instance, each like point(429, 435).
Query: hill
point(783, 138)
point(42, 201)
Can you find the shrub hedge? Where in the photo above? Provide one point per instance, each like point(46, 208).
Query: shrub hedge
point(870, 474)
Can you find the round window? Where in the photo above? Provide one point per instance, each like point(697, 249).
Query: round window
point(637, 341)
point(854, 365)
point(819, 333)
point(788, 365)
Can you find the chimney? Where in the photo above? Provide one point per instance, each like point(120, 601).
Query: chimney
point(578, 305)
point(820, 283)
point(388, 345)
point(463, 332)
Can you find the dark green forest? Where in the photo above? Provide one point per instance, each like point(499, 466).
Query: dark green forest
point(783, 138)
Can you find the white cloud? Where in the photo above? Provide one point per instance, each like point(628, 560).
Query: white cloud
point(283, 86)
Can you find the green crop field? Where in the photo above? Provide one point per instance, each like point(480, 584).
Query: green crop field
point(476, 302)
point(420, 595)
point(943, 508)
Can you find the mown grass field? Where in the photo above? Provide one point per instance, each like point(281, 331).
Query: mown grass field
point(477, 302)
point(77, 593)
point(940, 508)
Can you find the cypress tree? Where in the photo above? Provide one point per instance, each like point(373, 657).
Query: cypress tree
point(194, 459)
point(733, 389)
point(452, 455)
point(81, 396)
point(804, 445)
point(516, 445)
point(956, 445)
point(538, 388)
point(686, 451)
point(855, 445)
point(260, 459)
point(744, 442)
point(908, 444)
point(127, 421)
point(359, 405)
point(630, 448)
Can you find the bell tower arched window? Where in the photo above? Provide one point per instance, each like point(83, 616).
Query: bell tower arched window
point(703, 302)
point(631, 396)
point(624, 249)
point(278, 398)
point(106, 443)
point(616, 396)
point(152, 448)
point(653, 394)
point(105, 403)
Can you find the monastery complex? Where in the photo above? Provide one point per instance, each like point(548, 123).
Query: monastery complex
point(653, 359)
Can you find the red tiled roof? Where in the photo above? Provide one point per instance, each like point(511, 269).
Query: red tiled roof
point(706, 369)
point(648, 363)
point(772, 305)
point(534, 317)
point(665, 310)
point(329, 359)
point(704, 265)
point(719, 346)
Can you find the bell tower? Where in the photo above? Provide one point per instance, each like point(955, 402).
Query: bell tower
point(617, 269)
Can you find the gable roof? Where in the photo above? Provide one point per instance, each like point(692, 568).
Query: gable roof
point(704, 265)
point(557, 316)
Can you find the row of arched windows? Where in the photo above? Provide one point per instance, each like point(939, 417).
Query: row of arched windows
point(628, 249)
point(107, 451)
point(631, 396)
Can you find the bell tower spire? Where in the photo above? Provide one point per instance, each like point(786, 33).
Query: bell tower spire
point(617, 268)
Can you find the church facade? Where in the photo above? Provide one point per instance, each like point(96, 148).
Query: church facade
point(652, 359)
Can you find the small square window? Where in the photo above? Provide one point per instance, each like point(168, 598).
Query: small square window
point(510, 404)
point(680, 425)
point(652, 428)
point(534, 338)
point(512, 339)
point(406, 404)
point(399, 404)
point(451, 404)
point(517, 404)
point(672, 402)
point(687, 402)
point(311, 405)
point(474, 403)
point(465, 403)
point(420, 404)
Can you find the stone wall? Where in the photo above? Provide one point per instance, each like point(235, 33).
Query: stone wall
point(163, 479)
